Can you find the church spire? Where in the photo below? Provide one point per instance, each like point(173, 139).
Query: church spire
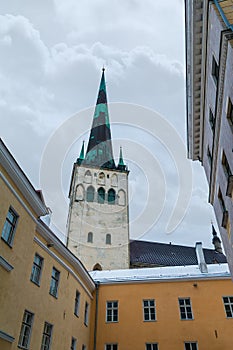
point(99, 149)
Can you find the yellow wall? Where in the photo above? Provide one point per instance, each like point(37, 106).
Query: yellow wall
point(131, 332)
point(18, 293)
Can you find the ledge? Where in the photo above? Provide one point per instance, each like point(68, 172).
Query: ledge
point(7, 266)
point(6, 337)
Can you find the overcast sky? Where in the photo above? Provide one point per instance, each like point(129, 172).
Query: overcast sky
point(51, 56)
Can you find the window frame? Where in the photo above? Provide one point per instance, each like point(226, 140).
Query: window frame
point(54, 278)
point(230, 112)
point(26, 326)
point(36, 267)
point(90, 237)
point(108, 239)
point(215, 70)
point(112, 311)
point(9, 237)
point(86, 314)
point(111, 346)
point(149, 311)
point(229, 303)
point(111, 196)
point(151, 346)
point(73, 345)
point(46, 336)
point(185, 306)
point(191, 343)
point(77, 303)
point(101, 195)
point(90, 194)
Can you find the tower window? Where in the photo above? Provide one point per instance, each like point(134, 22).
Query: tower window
point(111, 196)
point(101, 179)
point(90, 194)
point(90, 237)
point(108, 238)
point(88, 177)
point(101, 195)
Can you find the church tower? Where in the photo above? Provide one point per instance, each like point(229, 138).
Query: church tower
point(98, 221)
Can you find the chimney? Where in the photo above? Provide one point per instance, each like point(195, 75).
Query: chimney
point(200, 258)
point(216, 241)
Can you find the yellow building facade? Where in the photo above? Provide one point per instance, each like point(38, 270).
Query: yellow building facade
point(45, 292)
point(165, 308)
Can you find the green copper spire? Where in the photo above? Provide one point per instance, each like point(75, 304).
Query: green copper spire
point(81, 156)
point(121, 164)
point(99, 149)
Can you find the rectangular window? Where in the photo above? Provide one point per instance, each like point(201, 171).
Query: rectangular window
point(86, 314)
point(209, 156)
point(190, 346)
point(228, 304)
point(54, 282)
point(225, 164)
point(215, 70)
point(36, 269)
point(10, 226)
point(112, 311)
point(152, 346)
point(26, 328)
point(111, 347)
point(77, 303)
point(73, 344)
point(211, 119)
point(185, 309)
point(230, 112)
point(47, 336)
point(221, 201)
point(149, 310)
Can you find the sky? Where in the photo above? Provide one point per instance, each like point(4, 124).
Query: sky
point(51, 57)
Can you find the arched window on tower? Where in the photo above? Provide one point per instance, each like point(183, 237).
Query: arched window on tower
point(101, 195)
point(97, 267)
point(108, 239)
point(114, 180)
point(88, 177)
point(79, 193)
point(90, 237)
point(121, 197)
point(90, 194)
point(111, 196)
point(101, 179)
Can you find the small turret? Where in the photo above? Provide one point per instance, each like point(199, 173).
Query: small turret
point(216, 241)
point(81, 156)
point(121, 165)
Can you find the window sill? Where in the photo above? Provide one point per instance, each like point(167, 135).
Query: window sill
point(37, 284)
point(10, 245)
point(54, 296)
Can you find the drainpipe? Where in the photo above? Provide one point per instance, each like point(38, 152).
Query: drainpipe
point(96, 311)
point(200, 258)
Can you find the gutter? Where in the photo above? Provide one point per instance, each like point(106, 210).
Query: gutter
point(96, 312)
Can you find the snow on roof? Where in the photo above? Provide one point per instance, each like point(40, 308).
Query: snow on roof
point(215, 271)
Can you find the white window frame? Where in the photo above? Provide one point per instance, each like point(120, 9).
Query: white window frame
point(185, 306)
point(112, 311)
point(229, 304)
point(191, 344)
point(152, 346)
point(113, 346)
point(77, 303)
point(26, 330)
point(36, 269)
point(86, 314)
point(47, 336)
point(54, 282)
point(149, 308)
point(9, 228)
